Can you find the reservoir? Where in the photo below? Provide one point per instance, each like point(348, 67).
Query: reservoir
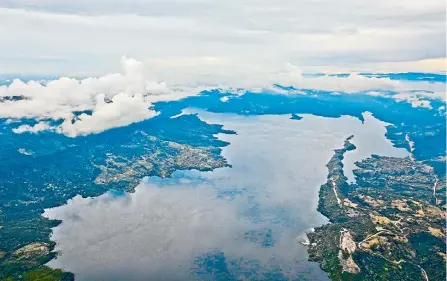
point(243, 222)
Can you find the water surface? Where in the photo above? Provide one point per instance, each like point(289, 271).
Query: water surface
point(239, 223)
point(370, 140)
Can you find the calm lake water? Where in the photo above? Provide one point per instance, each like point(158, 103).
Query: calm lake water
point(239, 223)
point(370, 140)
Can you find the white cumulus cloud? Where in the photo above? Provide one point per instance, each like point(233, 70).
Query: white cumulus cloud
point(94, 104)
point(123, 110)
point(113, 99)
point(224, 99)
point(41, 126)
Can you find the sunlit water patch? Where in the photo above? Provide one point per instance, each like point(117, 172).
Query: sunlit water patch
point(238, 223)
point(370, 140)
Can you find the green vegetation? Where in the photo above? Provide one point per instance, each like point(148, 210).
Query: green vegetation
point(390, 225)
point(43, 274)
point(56, 168)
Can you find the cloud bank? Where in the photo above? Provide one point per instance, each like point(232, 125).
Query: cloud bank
point(39, 127)
point(94, 104)
point(89, 105)
point(85, 37)
point(194, 44)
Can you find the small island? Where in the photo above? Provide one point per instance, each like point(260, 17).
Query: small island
point(295, 117)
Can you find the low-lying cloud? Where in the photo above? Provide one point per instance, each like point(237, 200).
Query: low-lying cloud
point(94, 104)
point(39, 127)
point(113, 100)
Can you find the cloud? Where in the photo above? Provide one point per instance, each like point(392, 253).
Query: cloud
point(414, 100)
point(94, 104)
point(225, 99)
point(86, 37)
point(39, 127)
point(123, 110)
point(194, 45)
point(355, 83)
point(113, 99)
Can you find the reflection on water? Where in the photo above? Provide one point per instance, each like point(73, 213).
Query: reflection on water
point(239, 223)
point(370, 141)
